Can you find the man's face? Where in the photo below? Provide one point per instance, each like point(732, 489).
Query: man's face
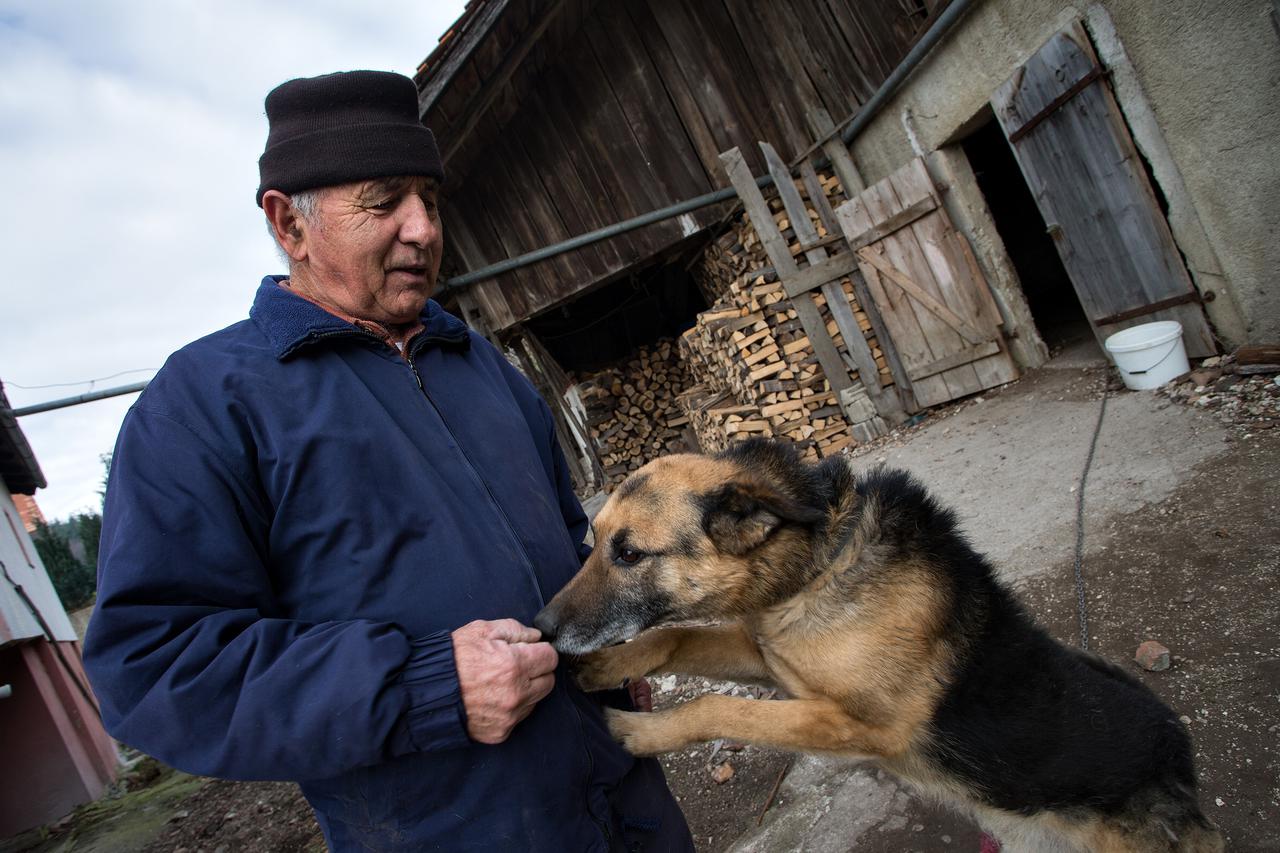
point(373, 248)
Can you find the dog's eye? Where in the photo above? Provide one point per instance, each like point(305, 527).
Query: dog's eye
point(629, 556)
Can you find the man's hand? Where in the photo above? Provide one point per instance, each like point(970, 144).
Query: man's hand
point(503, 671)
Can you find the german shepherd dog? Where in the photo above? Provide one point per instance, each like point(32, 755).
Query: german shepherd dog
point(858, 597)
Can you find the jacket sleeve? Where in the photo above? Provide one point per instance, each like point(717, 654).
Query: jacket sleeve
point(194, 663)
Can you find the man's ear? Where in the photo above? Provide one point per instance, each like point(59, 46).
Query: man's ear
point(742, 514)
point(288, 227)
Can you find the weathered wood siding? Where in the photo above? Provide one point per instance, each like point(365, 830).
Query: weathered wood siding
point(622, 108)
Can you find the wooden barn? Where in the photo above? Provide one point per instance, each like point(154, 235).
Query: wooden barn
point(691, 222)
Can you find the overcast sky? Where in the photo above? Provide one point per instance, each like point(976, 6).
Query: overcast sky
point(129, 138)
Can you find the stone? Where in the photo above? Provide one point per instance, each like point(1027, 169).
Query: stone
point(1152, 656)
point(722, 773)
point(1212, 362)
point(1204, 376)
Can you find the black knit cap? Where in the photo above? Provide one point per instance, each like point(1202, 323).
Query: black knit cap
point(344, 127)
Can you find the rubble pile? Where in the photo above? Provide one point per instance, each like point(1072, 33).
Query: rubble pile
point(1241, 389)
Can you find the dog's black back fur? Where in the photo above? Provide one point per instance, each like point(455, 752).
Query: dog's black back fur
point(1025, 722)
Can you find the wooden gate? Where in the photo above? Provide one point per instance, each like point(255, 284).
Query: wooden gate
point(1076, 154)
point(932, 296)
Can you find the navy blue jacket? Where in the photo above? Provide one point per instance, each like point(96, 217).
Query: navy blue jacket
point(297, 518)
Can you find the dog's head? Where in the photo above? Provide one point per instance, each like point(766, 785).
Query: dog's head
point(690, 537)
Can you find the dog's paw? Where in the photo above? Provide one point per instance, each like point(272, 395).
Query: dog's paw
point(640, 733)
point(602, 670)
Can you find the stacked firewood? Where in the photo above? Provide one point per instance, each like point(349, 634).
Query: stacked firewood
point(632, 409)
point(755, 370)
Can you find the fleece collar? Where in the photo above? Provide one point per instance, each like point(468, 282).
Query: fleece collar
point(292, 323)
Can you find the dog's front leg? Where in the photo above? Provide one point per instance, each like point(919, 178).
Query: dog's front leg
point(723, 652)
point(806, 725)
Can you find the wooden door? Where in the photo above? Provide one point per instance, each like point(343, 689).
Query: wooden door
point(932, 297)
point(1076, 154)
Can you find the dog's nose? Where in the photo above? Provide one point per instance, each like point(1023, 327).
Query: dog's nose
point(545, 622)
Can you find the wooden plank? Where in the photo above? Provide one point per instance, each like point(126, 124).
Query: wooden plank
point(535, 220)
point(904, 252)
point(818, 262)
point(816, 275)
point(957, 359)
point(907, 216)
point(757, 208)
point(782, 82)
point(480, 102)
point(1076, 88)
point(959, 285)
point(636, 84)
point(599, 186)
point(1091, 187)
point(714, 62)
point(761, 217)
point(704, 137)
point(898, 316)
point(838, 153)
point(942, 312)
point(832, 270)
point(567, 181)
point(851, 181)
point(445, 71)
point(818, 198)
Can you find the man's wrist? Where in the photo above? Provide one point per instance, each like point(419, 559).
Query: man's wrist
point(433, 718)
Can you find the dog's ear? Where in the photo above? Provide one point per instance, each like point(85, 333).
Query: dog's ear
point(743, 513)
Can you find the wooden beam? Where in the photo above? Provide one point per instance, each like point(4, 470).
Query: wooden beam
point(956, 359)
point(469, 39)
point(933, 306)
point(816, 275)
point(838, 153)
point(831, 270)
point(785, 265)
point(897, 222)
point(481, 102)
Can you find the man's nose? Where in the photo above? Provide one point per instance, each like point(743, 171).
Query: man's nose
point(419, 228)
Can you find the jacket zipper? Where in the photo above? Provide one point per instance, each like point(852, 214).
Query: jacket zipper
point(582, 733)
point(506, 520)
point(410, 347)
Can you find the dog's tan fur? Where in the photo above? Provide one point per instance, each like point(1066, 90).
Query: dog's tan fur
point(860, 636)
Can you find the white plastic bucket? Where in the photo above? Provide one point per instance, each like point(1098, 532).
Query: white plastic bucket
point(1149, 355)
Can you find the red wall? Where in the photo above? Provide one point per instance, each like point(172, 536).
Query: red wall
point(56, 753)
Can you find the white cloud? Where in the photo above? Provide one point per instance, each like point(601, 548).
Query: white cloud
point(129, 138)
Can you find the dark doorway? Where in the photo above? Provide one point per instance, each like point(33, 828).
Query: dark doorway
point(1054, 305)
point(608, 324)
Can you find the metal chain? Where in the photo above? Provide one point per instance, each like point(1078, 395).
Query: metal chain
point(1082, 605)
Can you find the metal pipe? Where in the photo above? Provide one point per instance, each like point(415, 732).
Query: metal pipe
point(864, 116)
point(87, 397)
point(597, 235)
point(889, 87)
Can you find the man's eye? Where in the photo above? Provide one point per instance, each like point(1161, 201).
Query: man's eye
point(628, 556)
point(383, 205)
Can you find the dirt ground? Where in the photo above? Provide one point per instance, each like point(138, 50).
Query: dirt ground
point(1196, 569)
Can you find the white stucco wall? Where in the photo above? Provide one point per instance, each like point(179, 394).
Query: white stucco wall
point(1199, 83)
point(18, 553)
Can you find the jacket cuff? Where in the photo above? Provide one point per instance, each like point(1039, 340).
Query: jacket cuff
point(433, 718)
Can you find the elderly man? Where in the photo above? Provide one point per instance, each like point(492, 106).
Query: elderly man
point(329, 525)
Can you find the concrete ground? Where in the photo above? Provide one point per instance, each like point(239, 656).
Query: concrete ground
point(1009, 463)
